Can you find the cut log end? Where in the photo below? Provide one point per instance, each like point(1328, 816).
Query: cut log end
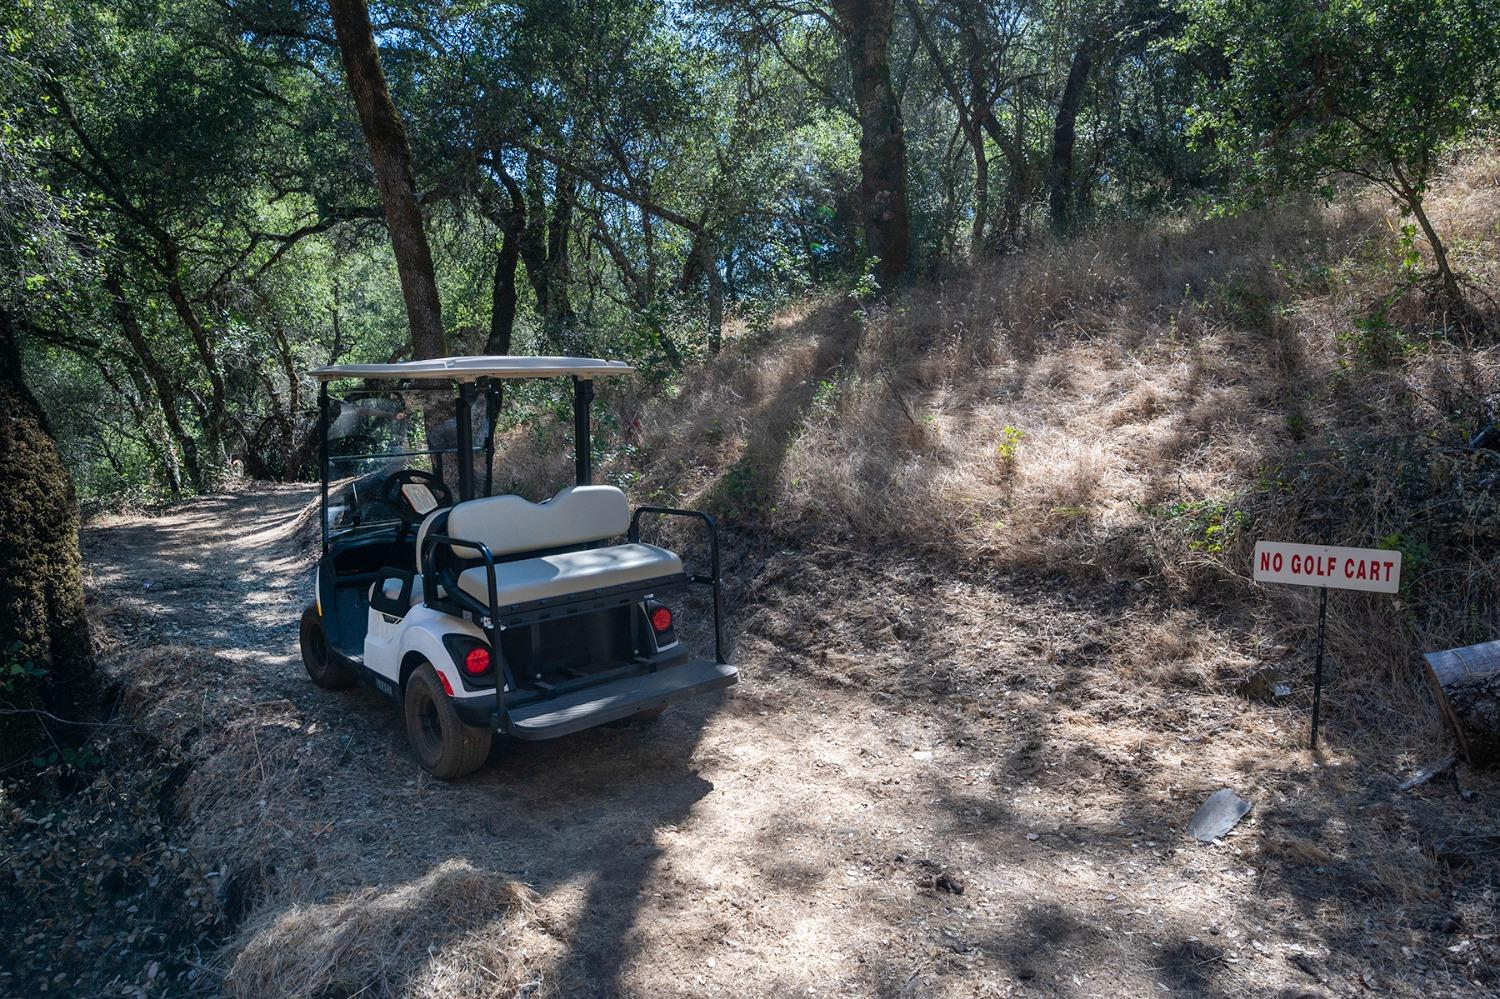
point(1466, 683)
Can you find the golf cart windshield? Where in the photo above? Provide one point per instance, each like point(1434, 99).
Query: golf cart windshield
point(374, 433)
point(434, 416)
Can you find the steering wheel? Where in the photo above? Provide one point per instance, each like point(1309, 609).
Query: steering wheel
point(392, 496)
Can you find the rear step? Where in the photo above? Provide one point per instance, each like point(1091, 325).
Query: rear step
point(617, 699)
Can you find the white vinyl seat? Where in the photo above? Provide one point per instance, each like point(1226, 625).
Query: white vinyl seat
point(510, 525)
point(558, 575)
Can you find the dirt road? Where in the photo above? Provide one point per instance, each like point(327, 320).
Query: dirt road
point(897, 799)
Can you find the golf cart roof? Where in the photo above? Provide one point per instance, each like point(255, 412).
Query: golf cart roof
point(466, 369)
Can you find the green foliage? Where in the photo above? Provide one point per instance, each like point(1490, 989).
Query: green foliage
point(1010, 440)
point(204, 159)
point(865, 287)
point(1207, 526)
point(741, 491)
point(17, 672)
point(826, 396)
point(1298, 93)
point(1302, 91)
point(1415, 552)
point(1377, 342)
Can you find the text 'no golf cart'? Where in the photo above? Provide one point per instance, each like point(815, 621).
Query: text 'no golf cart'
point(489, 613)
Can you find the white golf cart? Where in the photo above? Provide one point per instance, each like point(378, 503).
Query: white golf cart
point(479, 613)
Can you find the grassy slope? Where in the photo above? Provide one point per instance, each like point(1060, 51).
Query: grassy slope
point(1138, 404)
point(1114, 421)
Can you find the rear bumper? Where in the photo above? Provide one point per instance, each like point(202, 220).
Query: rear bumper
point(605, 702)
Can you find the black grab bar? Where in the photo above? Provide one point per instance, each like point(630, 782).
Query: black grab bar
point(634, 535)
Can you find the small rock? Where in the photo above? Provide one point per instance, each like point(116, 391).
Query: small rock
point(1216, 816)
point(921, 754)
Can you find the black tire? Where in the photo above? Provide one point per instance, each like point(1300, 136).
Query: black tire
point(326, 667)
point(446, 747)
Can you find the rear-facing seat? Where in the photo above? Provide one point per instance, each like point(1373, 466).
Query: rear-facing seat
point(509, 525)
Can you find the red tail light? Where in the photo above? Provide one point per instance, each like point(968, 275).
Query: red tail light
point(661, 620)
point(477, 661)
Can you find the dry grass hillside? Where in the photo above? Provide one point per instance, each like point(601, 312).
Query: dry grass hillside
point(1140, 403)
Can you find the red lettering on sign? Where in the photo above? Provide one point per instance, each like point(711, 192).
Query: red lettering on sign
point(1348, 568)
point(1277, 565)
point(1265, 561)
point(1388, 567)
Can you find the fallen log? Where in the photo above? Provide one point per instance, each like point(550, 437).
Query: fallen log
point(1466, 683)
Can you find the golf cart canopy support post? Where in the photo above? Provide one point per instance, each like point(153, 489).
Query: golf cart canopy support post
point(583, 448)
point(323, 457)
point(463, 426)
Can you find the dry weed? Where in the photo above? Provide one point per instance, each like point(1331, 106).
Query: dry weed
point(456, 931)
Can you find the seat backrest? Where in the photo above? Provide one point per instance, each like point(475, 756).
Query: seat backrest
point(510, 524)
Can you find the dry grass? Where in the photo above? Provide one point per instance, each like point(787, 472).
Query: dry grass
point(456, 931)
point(1139, 402)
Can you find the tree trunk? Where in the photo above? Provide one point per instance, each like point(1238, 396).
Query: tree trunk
point(1466, 683)
point(166, 392)
point(715, 297)
point(866, 25)
point(158, 437)
point(390, 154)
point(558, 317)
point(1064, 136)
point(534, 232)
point(42, 621)
point(981, 194)
point(503, 296)
point(216, 424)
point(543, 248)
point(1412, 195)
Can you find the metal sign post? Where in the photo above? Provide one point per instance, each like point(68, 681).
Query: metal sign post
point(1373, 570)
point(1318, 669)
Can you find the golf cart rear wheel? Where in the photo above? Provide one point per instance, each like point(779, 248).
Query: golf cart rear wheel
point(445, 746)
point(323, 664)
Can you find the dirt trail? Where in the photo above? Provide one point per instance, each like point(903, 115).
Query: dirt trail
point(806, 833)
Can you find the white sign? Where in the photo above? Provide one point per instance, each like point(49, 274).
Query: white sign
point(1372, 569)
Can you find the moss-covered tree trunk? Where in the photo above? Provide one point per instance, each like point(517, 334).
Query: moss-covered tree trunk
point(46, 665)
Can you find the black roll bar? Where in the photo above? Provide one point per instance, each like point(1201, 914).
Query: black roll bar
point(712, 579)
point(490, 623)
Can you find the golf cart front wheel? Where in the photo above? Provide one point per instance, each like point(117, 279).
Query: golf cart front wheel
point(323, 664)
point(446, 747)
